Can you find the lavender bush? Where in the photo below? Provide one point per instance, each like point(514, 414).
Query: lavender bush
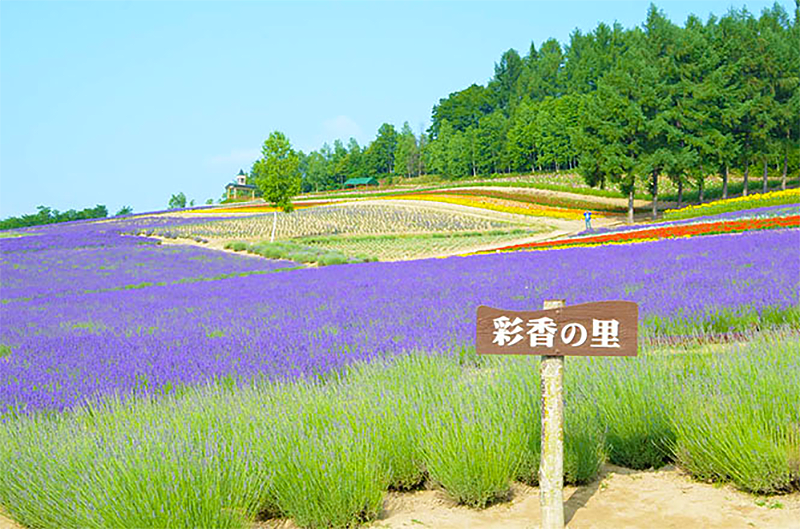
point(179, 328)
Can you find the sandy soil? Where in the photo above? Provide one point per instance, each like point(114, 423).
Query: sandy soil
point(619, 499)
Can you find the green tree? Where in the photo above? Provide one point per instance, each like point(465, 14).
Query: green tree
point(521, 139)
point(422, 146)
point(406, 154)
point(381, 151)
point(177, 201)
point(124, 210)
point(503, 85)
point(278, 171)
point(614, 125)
point(461, 109)
point(338, 162)
point(354, 161)
point(490, 142)
point(780, 65)
point(316, 175)
point(543, 76)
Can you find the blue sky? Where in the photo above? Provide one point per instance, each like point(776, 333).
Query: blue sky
point(126, 103)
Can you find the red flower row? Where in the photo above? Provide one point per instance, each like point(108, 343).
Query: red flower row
point(667, 232)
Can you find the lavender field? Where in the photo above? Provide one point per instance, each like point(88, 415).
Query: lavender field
point(134, 375)
point(89, 311)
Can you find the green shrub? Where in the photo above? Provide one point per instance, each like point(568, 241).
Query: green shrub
point(584, 451)
point(323, 452)
point(395, 397)
point(294, 252)
point(633, 398)
point(236, 246)
point(134, 464)
point(329, 477)
point(332, 258)
point(473, 442)
point(741, 422)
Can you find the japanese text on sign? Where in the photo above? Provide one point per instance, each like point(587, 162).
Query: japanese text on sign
point(542, 332)
point(599, 328)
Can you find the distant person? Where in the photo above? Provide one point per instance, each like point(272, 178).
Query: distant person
point(587, 216)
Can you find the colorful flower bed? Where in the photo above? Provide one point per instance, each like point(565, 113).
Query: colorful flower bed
point(663, 232)
point(764, 212)
point(497, 204)
point(540, 199)
point(774, 198)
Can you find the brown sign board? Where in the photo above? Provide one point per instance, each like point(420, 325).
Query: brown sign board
point(601, 328)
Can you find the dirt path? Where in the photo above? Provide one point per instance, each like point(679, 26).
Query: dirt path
point(619, 499)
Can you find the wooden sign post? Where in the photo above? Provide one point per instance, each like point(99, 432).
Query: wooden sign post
point(551, 462)
point(607, 328)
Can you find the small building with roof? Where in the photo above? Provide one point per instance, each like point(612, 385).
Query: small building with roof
point(240, 188)
point(356, 182)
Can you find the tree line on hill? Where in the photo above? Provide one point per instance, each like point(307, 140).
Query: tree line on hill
point(617, 105)
point(46, 215)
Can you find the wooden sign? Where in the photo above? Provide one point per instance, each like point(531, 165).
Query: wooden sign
point(602, 328)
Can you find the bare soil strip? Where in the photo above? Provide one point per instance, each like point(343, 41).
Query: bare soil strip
point(619, 499)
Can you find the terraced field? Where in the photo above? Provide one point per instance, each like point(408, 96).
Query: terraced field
point(335, 219)
point(397, 227)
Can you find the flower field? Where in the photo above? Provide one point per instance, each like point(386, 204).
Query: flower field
point(182, 328)
point(524, 196)
point(324, 454)
point(306, 393)
point(503, 205)
point(774, 218)
point(352, 218)
point(761, 200)
point(82, 258)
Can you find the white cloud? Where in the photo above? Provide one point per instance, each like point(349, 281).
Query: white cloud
point(341, 127)
point(241, 156)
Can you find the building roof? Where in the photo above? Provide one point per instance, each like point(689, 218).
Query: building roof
point(240, 186)
point(241, 173)
point(361, 181)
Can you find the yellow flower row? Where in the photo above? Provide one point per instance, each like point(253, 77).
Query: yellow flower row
point(788, 196)
point(497, 204)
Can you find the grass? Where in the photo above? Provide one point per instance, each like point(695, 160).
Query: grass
point(323, 452)
point(15, 234)
point(405, 246)
point(296, 252)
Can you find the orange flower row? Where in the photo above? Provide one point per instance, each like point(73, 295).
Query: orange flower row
point(666, 232)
